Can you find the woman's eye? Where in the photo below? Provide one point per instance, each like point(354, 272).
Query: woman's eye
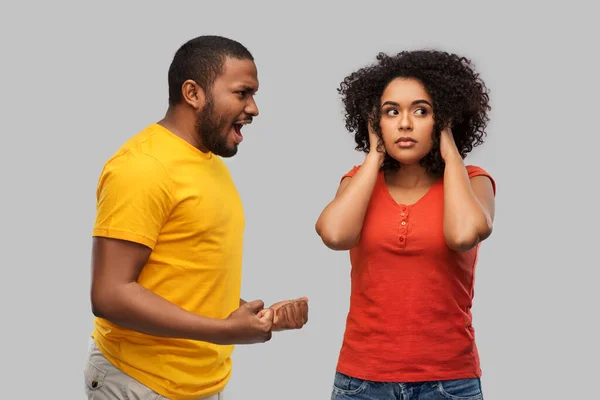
point(421, 111)
point(392, 112)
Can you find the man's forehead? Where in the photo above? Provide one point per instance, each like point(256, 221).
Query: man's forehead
point(242, 72)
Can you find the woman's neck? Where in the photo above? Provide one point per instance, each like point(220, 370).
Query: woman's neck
point(410, 176)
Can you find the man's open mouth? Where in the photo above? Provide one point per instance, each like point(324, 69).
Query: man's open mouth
point(238, 129)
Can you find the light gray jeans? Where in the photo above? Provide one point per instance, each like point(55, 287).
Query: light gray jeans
point(104, 381)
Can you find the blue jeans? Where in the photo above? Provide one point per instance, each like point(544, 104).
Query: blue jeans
point(349, 388)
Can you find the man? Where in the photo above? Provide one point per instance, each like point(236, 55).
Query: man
point(167, 241)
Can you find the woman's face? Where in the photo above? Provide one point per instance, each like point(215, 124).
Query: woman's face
point(406, 120)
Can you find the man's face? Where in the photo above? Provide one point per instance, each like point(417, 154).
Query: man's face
point(229, 106)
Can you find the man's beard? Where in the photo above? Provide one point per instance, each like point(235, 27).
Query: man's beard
point(211, 128)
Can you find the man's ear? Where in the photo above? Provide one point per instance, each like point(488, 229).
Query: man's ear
point(193, 94)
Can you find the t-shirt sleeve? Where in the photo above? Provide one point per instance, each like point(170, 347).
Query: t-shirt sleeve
point(351, 173)
point(474, 171)
point(134, 199)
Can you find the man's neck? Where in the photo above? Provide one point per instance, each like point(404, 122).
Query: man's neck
point(180, 123)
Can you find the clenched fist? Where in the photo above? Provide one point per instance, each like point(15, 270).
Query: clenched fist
point(290, 314)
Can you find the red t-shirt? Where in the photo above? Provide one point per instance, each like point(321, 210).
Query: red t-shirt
point(410, 303)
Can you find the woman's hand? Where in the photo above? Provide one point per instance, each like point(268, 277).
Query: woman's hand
point(376, 146)
point(448, 145)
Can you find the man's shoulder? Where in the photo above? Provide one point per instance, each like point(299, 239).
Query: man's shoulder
point(134, 165)
point(138, 152)
point(134, 161)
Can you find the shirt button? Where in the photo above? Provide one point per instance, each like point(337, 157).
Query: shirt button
point(403, 214)
point(403, 222)
point(401, 239)
point(94, 384)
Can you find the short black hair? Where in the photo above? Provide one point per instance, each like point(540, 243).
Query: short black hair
point(459, 97)
point(201, 59)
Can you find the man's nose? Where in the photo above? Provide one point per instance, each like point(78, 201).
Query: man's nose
point(252, 108)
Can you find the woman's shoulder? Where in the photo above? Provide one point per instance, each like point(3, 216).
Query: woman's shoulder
point(476, 170)
point(352, 172)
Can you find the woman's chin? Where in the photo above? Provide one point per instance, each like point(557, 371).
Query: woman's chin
point(406, 159)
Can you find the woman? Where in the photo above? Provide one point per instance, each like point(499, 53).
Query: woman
point(413, 216)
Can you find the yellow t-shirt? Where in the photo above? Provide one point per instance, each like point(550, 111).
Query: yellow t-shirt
point(160, 191)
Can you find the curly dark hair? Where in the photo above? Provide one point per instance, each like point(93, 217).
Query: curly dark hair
point(460, 98)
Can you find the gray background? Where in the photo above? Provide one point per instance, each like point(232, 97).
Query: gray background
point(78, 79)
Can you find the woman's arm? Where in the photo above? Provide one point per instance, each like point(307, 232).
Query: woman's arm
point(469, 203)
point(341, 222)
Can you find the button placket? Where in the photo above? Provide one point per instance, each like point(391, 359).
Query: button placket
point(403, 226)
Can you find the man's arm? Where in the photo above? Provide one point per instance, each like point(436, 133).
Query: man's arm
point(117, 297)
point(134, 201)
